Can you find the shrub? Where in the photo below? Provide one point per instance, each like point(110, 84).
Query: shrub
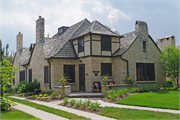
point(80, 101)
point(7, 94)
point(5, 104)
point(8, 90)
point(125, 91)
point(45, 95)
point(32, 96)
point(24, 94)
point(30, 93)
point(35, 96)
point(141, 89)
point(88, 103)
point(119, 92)
point(146, 87)
point(65, 100)
point(40, 95)
point(84, 103)
point(77, 103)
point(169, 83)
point(97, 104)
point(72, 102)
point(93, 106)
point(55, 93)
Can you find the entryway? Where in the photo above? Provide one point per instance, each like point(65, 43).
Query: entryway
point(82, 77)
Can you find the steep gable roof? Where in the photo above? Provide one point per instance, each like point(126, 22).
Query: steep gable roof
point(66, 36)
point(25, 56)
point(97, 28)
point(126, 42)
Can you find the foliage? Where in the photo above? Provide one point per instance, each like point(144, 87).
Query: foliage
point(49, 109)
point(63, 80)
point(7, 94)
point(72, 102)
point(30, 93)
point(8, 90)
point(35, 96)
point(127, 80)
point(170, 62)
point(16, 115)
point(84, 103)
point(169, 83)
point(47, 92)
point(65, 100)
point(55, 93)
point(134, 114)
point(6, 104)
point(40, 95)
point(7, 74)
point(45, 95)
point(159, 99)
point(32, 96)
point(78, 103)
point(88, 103)
point(93, 106)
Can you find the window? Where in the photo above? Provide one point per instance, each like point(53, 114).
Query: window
point(46, 75)
point(22, 75)
point(145, 71)
point(69, 71)
point(30, 75)
point(81, 45)
point(144, 45)
point(106, 43)
point(167, 38)
point(106, 69)
point(13, 81)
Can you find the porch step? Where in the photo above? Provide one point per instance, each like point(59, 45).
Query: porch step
point(85, 95)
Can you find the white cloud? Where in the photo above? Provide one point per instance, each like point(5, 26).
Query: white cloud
point(114, 14)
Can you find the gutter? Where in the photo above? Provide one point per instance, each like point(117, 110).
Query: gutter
point(49, 72)
point(127, 65)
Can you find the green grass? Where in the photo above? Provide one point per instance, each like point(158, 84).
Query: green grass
point(16, 114)
point(160, 99)
point(48, 109)
point(122, 113)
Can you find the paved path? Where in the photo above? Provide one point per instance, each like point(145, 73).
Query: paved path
point(38, 113)
point(70, 110)
point(103, 104)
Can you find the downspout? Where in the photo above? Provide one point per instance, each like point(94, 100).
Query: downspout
point(127, 65)
point(49, 72)
point(26, 73)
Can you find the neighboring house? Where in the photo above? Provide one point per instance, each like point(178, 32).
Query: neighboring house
point(166, 41)
point(86, 51)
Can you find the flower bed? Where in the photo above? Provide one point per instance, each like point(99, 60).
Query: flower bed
point(85, 105)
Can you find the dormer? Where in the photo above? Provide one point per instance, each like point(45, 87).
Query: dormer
point(62, 29)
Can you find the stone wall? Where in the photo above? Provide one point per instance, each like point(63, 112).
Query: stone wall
point(136, 54)
point(166, 41)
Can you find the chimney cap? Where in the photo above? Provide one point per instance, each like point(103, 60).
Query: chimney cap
point(19, 32)
point(39, 16)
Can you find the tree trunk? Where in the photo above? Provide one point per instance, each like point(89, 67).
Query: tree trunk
point(2, 92)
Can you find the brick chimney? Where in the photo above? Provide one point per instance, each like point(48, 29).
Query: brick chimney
point(39, 29)
point(19, 38)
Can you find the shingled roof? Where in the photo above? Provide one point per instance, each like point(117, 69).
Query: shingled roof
point(25, 56)
point(126, 42)
point(58, 47)
point(97, 28)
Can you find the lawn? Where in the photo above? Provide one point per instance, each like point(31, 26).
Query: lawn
point(16, 114)
point(160, 99)
point(48, 109)
point(122, 113)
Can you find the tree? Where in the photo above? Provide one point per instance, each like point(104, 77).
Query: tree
point(170, 62)
point(2, 52)
point(115, 31)
point(7, 74)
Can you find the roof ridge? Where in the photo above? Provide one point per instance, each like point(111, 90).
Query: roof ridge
point(92, 26)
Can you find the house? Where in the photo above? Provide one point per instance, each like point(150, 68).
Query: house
point(85, 52)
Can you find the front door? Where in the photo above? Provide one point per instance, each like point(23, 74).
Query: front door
point(82, 77)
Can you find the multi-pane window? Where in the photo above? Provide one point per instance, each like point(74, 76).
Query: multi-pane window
point(13, 81)
point(145, 71)
point(144, 45)
point(81, 45)
point(69, 71)
point(106, 69)
point(22, 75)
point(106, 43)
point(30, 75)
point(46, 75)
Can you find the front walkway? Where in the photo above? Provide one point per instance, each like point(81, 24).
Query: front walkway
point(38, 113)
point(70, 110)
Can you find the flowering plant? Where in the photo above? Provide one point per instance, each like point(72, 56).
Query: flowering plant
point(63, 80)
point(105, 80)
point(127, 80)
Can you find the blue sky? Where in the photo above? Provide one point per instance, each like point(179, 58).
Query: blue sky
point(20, 16)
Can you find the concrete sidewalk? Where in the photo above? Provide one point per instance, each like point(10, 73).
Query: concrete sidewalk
point(70, 110)
point(38, 113)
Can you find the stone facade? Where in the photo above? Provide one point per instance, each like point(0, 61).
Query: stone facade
point(166, 41)
point(43, 53)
